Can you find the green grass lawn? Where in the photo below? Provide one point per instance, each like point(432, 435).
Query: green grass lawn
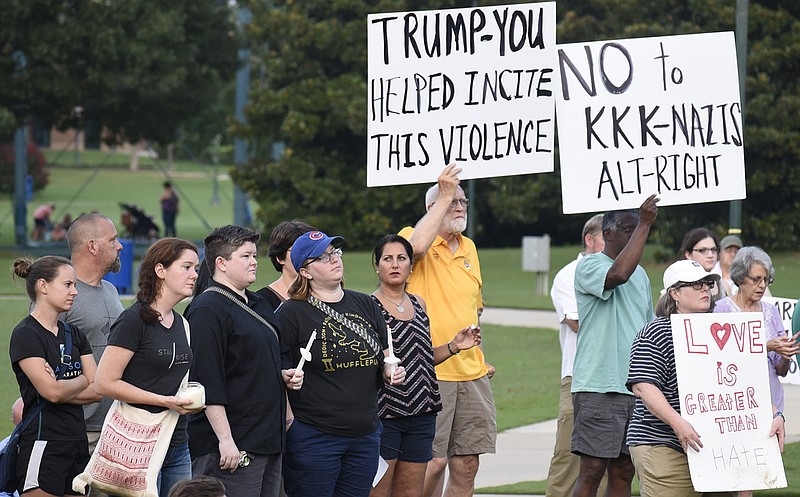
point(520, 398)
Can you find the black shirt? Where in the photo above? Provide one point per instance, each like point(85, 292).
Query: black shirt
point(340, 386)
point(31, 339)
point(161, 358)
point(237, 359)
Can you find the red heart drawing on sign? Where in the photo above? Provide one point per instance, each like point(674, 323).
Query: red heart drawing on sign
point(721, 334)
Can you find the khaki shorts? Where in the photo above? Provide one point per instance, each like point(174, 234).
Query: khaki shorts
point(467, 424)
point(663, 472)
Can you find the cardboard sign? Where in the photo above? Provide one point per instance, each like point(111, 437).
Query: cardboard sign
point(786, 308)
point(721, 362)
point(650, 115)
point(471, 86)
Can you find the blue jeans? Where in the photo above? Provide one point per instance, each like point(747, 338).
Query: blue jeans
point(177, 466)
point(317, 464)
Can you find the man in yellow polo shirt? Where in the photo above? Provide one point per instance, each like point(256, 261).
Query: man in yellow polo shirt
point(447, 275)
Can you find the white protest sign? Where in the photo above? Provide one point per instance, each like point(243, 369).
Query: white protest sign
point(721, 363)
point(786, 308)
point(649, 115)
point(472, 86)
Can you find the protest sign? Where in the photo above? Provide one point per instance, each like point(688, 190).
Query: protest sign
point(650, 115)
point(471, 86)
point(786, 308)
point(721, 363)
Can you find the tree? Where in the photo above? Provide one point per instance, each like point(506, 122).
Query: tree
point(312, 98)
point(139, 68)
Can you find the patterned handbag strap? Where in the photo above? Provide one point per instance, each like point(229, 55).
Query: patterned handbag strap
point(238, 302)
point(362, 331)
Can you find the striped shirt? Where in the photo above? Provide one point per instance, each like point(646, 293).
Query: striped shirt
point(653, 361)
point(419, 393)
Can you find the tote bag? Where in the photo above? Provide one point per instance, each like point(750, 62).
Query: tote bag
point(130, 452)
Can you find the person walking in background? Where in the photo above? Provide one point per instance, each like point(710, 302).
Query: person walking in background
point(239, 438)
point(53, 447)
point(614, 302)
point(42, 224)
point(280, 244)
point(564, 465)
point(408, 410)
point(447, 275)
point(94, 250)
point(148, 354)
point(169, 208)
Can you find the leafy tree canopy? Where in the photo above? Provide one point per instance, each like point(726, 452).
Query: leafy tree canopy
point(311, 96)
point(139, 68)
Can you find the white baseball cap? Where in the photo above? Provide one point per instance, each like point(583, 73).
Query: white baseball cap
point(686, 271)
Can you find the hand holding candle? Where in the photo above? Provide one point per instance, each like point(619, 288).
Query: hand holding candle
point(305, 353)
point(390, 359)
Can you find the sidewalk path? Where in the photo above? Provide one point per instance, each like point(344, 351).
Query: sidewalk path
point(523, 454)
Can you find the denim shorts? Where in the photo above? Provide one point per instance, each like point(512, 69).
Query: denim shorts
point(408, 438)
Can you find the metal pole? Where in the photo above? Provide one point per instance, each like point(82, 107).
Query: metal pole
point(473, 209)
point(241, 212)
point(215, 169)
point(20, 172)
point(742, 7)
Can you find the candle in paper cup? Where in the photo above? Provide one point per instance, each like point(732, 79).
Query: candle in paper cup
point(195, 392)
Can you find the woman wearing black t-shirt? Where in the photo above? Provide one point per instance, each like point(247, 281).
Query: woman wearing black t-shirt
point(148, 354)
point(53, 448)
point(332, 446)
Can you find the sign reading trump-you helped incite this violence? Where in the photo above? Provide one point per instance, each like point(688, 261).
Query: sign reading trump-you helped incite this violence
point(473, 86)
point(721, 363)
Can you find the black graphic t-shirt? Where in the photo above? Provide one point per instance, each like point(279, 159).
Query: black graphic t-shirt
point(31, 339)
point(161, 357)
point(340, 388)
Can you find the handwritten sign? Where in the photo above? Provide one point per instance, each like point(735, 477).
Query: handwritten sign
point(650, 115)
point(786, 308)
point(724, 393)
point(471, 86)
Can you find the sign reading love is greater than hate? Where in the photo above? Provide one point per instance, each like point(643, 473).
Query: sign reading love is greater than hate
point(721, 362)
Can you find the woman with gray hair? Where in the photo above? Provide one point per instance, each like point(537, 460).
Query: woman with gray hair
point(752, 271)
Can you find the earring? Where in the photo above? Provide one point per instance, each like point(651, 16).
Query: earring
point(410, 271)
point(376, 271)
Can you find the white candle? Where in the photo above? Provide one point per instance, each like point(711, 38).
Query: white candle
point(305, 353)
point(391, 346)
point(195, 392)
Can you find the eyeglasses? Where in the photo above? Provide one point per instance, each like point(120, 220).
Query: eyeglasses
point(706, 250)
point(698, 285)
point(327, 256)
point(463, 201)
point(761, 279)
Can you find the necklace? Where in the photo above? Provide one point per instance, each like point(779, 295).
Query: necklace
point(399, 306)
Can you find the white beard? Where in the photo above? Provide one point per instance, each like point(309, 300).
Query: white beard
point(455, 225)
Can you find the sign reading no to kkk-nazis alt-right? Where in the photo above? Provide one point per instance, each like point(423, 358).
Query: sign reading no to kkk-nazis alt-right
point(723, 383)
point(473, 86)
point(649, 115)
